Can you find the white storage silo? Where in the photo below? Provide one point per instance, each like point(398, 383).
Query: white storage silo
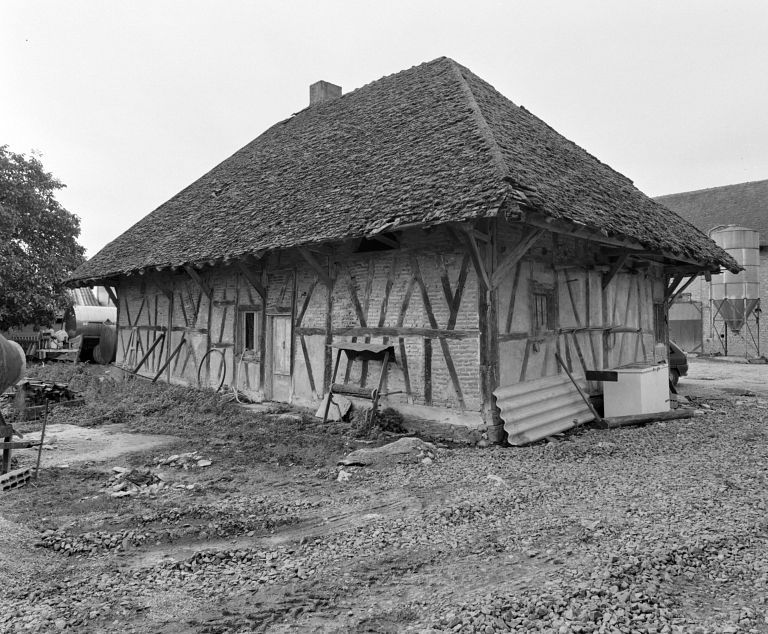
point(736, 295)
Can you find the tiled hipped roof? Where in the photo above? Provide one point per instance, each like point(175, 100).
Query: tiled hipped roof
point(431, 144)
point(744, 204)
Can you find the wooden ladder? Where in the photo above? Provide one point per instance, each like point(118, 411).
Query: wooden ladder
point(363, 352)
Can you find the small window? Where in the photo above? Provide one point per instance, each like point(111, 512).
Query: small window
point(541, 317)
point(250, 333)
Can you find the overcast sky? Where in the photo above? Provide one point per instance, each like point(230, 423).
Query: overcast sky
point(129, 102)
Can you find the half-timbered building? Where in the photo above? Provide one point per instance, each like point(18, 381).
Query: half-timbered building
point(424, 212)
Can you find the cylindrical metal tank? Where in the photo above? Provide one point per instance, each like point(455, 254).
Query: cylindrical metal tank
point(736, 295)
point(87, 320)
point(104, 353)
point(13, 363)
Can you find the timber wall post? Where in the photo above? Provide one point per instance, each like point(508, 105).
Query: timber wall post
point(489, 340)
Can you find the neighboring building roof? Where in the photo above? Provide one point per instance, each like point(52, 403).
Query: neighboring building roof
point(83, 297)
point(428, 145)
point(743, 204)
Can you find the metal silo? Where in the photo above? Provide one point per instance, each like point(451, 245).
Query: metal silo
point(736, 296)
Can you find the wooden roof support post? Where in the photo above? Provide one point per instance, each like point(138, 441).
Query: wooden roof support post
point(112, 294)
point(253, 280)
point(476, 256)
point(316, 266)
point(199, 281)
point(673, 296)
point(615, 269)
point(514, 256)
point(670, 290)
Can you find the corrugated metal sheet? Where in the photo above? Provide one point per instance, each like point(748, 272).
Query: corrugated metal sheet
point(83, 297)
point(533, 410)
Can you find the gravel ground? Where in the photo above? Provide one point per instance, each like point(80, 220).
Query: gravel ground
point(655, 529)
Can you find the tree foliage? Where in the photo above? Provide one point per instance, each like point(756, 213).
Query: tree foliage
point(38, 242)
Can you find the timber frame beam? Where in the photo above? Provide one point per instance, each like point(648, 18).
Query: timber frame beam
point(112, 294)
point(253, 280)
point(615, 268)
point(199, 281)
point(476, 256)
point(513, 257)
point(675, 288)
point(316, 266)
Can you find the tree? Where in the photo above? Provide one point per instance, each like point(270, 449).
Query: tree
point(38, 242)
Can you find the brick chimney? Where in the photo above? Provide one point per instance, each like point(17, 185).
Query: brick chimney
point(322, 91)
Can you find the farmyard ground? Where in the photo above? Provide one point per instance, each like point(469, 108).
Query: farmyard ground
point(654, 529)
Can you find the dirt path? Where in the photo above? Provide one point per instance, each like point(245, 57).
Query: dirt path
point(713, 379)
point(69, 444)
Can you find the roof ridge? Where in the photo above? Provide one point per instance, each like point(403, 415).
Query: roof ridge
point(709, 189)
point(482, 123)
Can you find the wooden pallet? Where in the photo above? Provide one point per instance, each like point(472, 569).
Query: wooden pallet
point(15, 479)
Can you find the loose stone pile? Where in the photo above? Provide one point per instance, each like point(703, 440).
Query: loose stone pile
point(124, 482)
point(185, 461)
point(90, 543)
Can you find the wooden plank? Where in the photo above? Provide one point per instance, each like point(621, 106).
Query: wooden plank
point(223, 325)
point(514, 336)
point(148, 353)
point(18, 444)
point(361, 317)
point(366, 307)
point(601, 375)
point(576, 315)
point(387, 291)
point(459, 292)
point(401, 341)
point(169, 359)
point(112, 295)
point(579, 353)
point(642, 419)
point(170, 336)
point(312, 261)
point(568, 359)
point(477, 258)
point(677, 292)
point(199, 281)
point(387, 331)
point(308, 365)
point(305, 303)
point(512, 300)
point(253, 280)
point(527, 240)
point(526, 356)
point(144, 327)
point(406, 301)
point(427, 371)
point(404, 368)
point(353, 390)
point(445, 281)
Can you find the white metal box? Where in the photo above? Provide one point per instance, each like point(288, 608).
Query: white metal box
point(641, 389)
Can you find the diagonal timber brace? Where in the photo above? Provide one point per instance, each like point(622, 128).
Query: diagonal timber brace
point(199, 281)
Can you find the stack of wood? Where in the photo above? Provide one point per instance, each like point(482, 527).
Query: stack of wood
point(30, 396)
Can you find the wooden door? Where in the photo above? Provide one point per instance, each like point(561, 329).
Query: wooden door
point(281, 357)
